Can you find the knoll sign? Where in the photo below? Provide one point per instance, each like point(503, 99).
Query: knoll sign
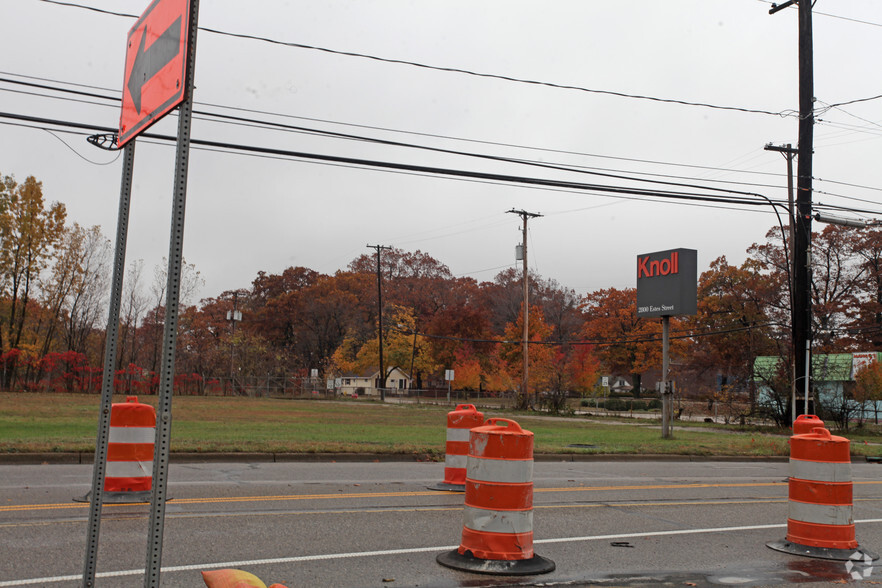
point(667, 283)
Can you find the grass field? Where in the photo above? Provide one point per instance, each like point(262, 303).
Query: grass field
point(68, 423)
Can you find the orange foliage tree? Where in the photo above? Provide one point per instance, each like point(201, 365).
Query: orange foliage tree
point(625, 343)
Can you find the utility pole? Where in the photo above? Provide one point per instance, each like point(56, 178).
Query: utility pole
point(802, 299)
point(526, 402)
point(789, 152)
point(379, 248)
point(233, 316)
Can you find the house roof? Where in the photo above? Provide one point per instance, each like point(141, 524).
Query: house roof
point(372, 372)
point(826, 367)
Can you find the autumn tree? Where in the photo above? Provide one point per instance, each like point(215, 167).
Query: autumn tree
point(29, 231)
point(133, 306)
point(77, 287)
point(540, 353)
point(153, 325)
point(412, 279)
point(582, 367)
point(625, 343)
point(838, 278)
point(865, 326)
point(868, 387)
point(842, 297)
point(731, 327)
point(400, 347)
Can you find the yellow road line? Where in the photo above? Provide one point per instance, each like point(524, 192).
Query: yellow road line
point(417, 508)
point(355, 495)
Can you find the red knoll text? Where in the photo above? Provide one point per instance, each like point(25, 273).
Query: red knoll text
point(658, 267)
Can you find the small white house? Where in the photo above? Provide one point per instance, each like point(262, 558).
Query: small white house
point(368, 383)
point(617, 384)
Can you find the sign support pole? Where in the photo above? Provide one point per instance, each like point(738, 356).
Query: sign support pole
point(667, 392)
point(170, 332)
point(99, 469)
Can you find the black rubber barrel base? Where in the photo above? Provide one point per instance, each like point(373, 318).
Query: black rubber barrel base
point(500, 567)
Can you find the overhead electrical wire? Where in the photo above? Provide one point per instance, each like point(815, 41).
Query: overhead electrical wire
point(78, 154)
point(347, 136)
point(254, 122)
point(730, 198)
point(594, 342)
point(827, 14)
point(540, 183)
point(414, 133)
point(782, 114)
point(281, 154)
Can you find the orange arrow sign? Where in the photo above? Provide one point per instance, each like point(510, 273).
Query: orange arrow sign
point(156, 61)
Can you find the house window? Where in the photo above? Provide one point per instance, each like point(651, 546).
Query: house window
point(348, 382)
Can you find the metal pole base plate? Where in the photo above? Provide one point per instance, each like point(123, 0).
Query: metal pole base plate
point(145, 496)
point(858, 553)
point(500, 567)
point(444, 486)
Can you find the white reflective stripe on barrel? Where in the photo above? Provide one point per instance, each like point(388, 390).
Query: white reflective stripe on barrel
point(456, 461)
point(820, 471)
point(513, 471)
point(458, 435)
point(129, 469)
point(497, 521)
point(820, 514)
point(132, 435)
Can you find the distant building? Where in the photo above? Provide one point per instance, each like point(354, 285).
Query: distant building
point(616, 384)
point(368, 383)
point(832, 374)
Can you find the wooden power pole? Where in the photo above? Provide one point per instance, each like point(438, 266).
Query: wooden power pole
point(379, 248)
point(526, 400)
point(802, 296)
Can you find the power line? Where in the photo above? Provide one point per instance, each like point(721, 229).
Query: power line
point(781, 114)
point(827, 14)
point(319, 132)
point(80, 155)
point(595, 342)
point(278, 126)
point(847, 184)
point(348, 136)
point(730, 198)
point(689, 198)
point(420, 168)
point(415, 133)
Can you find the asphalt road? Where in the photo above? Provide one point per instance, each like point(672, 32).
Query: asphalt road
point(376, 524)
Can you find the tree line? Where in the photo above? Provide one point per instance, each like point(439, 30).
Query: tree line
point(55, 282)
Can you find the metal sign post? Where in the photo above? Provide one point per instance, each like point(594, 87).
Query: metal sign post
point(666, 392)
point(170, 332)
point(158, 76)
point(667, 285)
point(110, 351)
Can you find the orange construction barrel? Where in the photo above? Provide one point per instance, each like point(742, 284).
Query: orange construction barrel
point(459, 422)
point(820, 522)
point(129, 473)
point(497, 532)
point(804, 423)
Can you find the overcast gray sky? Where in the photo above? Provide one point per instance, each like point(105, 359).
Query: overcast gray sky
point(246, 213)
